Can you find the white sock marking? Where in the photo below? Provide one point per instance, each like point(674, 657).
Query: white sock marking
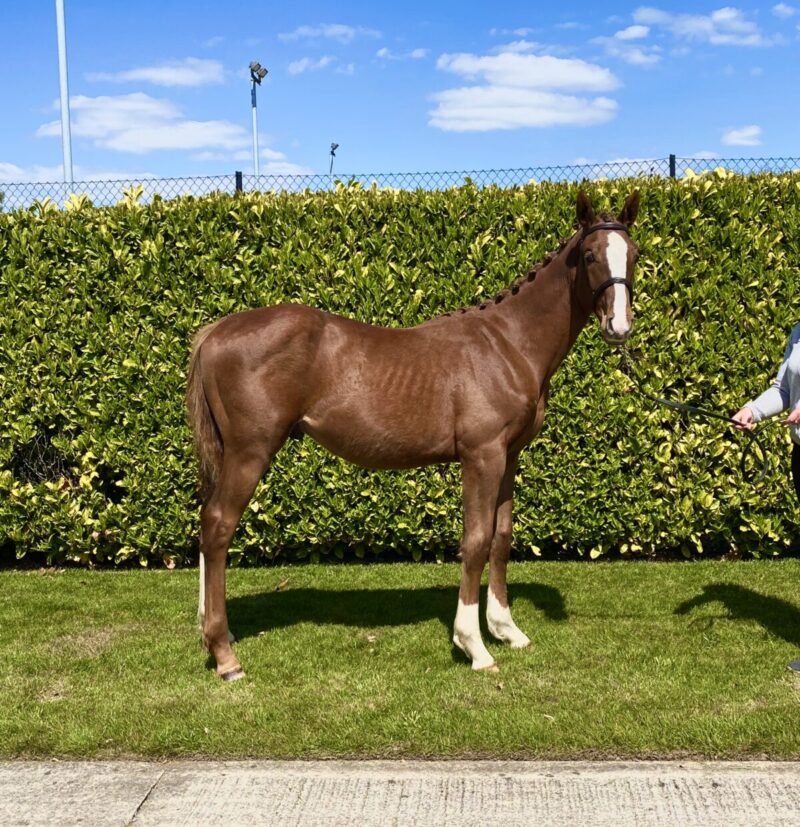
point(501, 625)
point(467, 636)
point(617, 257)
point(201, 606)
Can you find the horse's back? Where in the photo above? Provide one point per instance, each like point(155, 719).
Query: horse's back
point(380, 397)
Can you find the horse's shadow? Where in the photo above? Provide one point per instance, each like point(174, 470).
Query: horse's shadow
point(252, 614)
point(777, 616)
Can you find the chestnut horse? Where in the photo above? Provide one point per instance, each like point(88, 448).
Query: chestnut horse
point(468, 387)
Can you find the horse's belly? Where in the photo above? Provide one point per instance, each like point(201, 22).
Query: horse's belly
point(381, 444)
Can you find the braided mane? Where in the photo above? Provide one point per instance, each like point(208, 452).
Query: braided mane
point(524, 279)
point(516, 285)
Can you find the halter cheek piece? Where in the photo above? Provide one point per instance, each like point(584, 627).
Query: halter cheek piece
point(609, 225)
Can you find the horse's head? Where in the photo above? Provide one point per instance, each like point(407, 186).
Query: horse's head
point(608, 256)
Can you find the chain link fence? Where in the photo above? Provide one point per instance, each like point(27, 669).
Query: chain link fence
point(106, 192)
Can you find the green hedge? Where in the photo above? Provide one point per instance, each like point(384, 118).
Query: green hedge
point(98, 305)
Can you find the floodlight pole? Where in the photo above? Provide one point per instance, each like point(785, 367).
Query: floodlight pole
point(257, 74)
point(255, 125)
point(66, 136)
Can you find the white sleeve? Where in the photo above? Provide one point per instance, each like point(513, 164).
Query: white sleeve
point(776, 398)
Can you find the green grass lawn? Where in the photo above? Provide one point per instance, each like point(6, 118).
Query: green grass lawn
point(628, 659)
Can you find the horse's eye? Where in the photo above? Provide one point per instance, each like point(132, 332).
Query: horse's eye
point(589, 257)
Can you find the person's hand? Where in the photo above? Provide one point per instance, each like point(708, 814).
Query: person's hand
point(743, 419)
point(793, 418)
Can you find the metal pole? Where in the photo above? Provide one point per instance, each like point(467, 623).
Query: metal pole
point(255, 128)
point(66, 137)
point(672, 166)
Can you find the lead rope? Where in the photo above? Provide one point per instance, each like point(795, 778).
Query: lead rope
point(753, 436)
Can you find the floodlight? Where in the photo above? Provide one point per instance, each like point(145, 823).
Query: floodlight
point(257, 72)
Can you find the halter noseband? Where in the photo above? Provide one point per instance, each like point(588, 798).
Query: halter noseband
point(606, 225)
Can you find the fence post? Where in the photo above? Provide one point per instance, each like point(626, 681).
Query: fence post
point(238, 181)
point(672, 166)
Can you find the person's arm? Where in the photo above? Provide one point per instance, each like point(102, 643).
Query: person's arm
point(775, 399)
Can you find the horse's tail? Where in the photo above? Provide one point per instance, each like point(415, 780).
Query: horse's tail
point(207, 439)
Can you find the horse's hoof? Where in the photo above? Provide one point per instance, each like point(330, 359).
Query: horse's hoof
point(520, 643)
point(233, 674)
point(492, 667)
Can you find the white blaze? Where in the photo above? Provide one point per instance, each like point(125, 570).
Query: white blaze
point(617, 257)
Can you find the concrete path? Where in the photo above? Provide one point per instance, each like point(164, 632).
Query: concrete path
point(363, 794)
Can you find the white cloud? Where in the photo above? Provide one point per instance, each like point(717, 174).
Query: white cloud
point(284, 168)
point(276, 162)
point(530, 71)
point(138, 123)
point(516, 47)
point(175, 135)
point(104, 115)
point(520, 32)
point(727, 26)
point(11, 173)
point(190, 71)
point(213, 41)
point(388, 54)
point(346, 69)
point(783, 11)
point(624, 50)
point(308, 64)
point(632, 33)
point(485, 108)
point(517, 92)
point(332, 31)
point(743, 136)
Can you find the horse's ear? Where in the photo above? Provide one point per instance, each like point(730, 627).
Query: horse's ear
point(585, 211)
point(630, 210)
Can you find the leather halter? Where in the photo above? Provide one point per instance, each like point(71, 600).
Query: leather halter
point(606, 225)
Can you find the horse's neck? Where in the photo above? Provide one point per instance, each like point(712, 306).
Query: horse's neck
point(544, 319)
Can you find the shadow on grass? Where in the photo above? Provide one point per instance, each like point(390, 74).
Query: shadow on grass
point(779, 617)
point(254, 613)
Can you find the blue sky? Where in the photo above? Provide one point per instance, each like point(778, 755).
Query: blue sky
point(162, 88)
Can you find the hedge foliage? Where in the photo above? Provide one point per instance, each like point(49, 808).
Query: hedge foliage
point(98, 305)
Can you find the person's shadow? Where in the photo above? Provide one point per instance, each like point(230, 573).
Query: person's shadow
point(777, 616)
point(252, 614)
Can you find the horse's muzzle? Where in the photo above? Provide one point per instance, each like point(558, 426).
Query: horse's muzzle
point(611, 337)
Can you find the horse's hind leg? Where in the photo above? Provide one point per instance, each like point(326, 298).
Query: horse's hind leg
point(482, 474)
point(201, 603)
point(498, 613)
point(241, 471)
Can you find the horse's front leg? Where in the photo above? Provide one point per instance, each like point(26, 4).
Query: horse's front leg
point(482, 473)
point(498, 614)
